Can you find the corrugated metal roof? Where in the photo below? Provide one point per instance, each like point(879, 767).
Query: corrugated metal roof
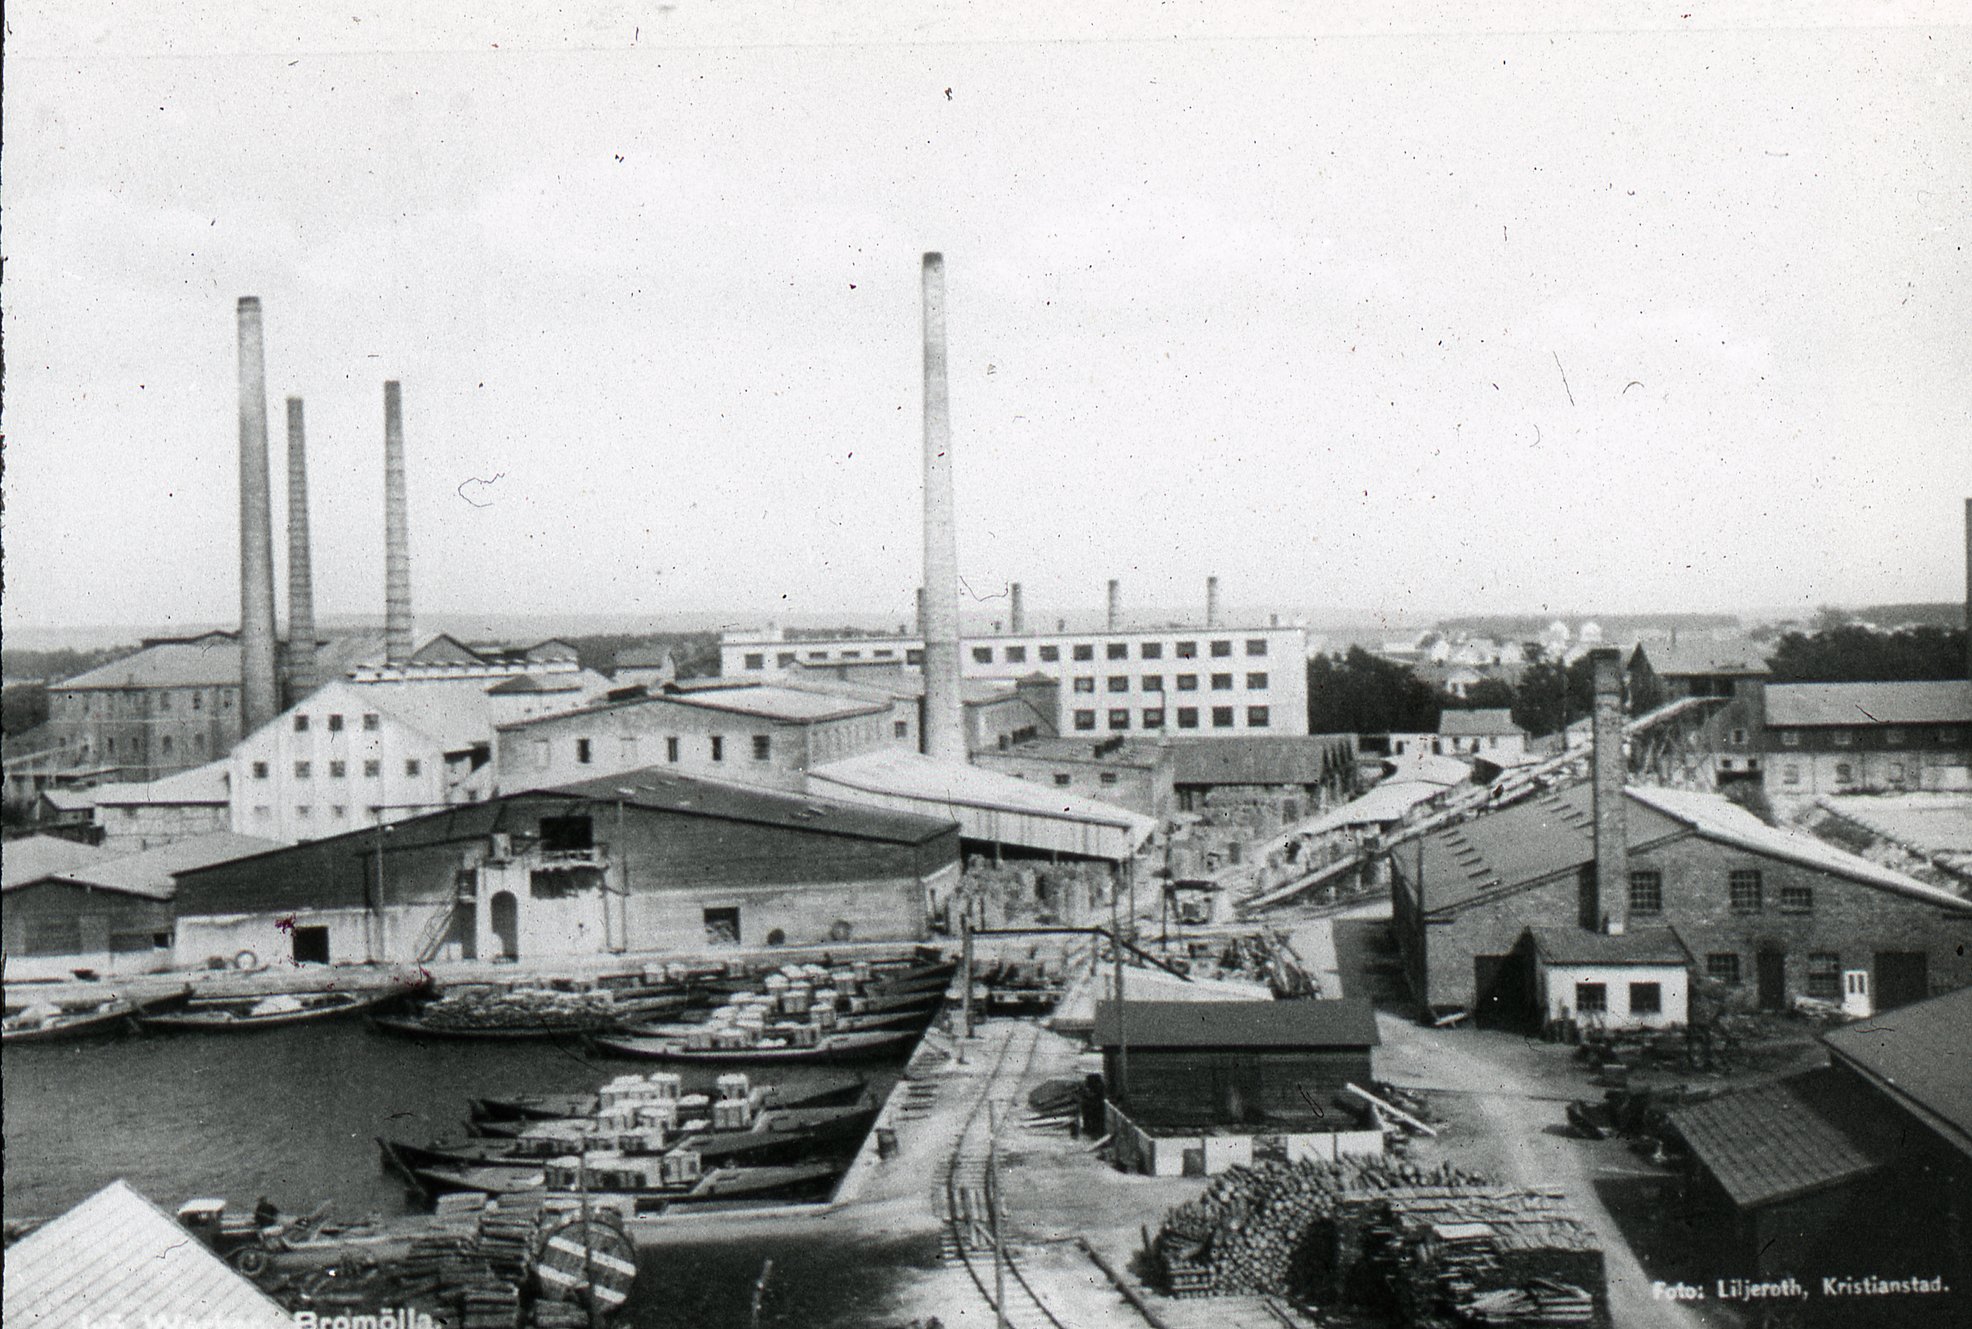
point(209, 661)
point(1581, 946)
point(116, 1256)
point(37, 856)
point(1301, 1023)
point(201, 784)
point(1269, 759)
point(1945, 701)
point(1922, 1053)
point(1485, 722)
point(1785, 1139)
point(1713, 656)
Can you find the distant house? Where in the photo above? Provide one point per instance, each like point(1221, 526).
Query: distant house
point(1773, 914)
point(134, 817)
point(1857, 738)
point(1705, 667)
point(1313, 770)
point(1485, 732)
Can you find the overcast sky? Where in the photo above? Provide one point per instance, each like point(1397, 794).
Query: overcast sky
point(1371, 309)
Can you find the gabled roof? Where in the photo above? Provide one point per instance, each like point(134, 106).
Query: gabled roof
point(929, 781)
point(454, 713)
point(118, 1257)
point(1921, 1055)
point(202, 784)
point(526, 684)
point(661, 789)
point(1579, 946)
point(1704, 657)
point(1260, 759)
point(37, 857)
point(770, 702)
point(1482, 723)
point(149, 873)
point(1946, 702)
point(1785, 1139)
point(209, 661)
point(1387, 802)
point(1301, 1023)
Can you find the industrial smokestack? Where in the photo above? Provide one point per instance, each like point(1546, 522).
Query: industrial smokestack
point(301, 581)
point(397, 629)
point(1016, 614)
point(920, 618)
point(1612, 872)
point(259, 690)
point(1115, 605)
point(1213, 610)
point(1968, 588)
point(944, 722)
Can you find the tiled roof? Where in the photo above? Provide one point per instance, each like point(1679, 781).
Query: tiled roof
point(1483, 723)
point(1785, 1139)
point(118, 1257)
point(37, 856)
point(1947, 702)
point(1689, 659)
point(209, 661)
point(149, 873)
point(658, 787)
point(1581, 946)
point(1922, 1054)
point(1271, 759)
point(1302, 1023)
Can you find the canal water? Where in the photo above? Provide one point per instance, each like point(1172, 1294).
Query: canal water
point(293, 1115)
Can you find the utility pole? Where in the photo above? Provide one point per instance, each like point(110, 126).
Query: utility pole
point(993, 1215)
point(965, 992)
point(1116, 953)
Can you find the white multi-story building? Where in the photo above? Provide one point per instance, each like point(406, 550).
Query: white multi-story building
point(1175, 682)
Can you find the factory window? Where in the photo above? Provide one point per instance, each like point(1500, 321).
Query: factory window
point(1085, 720)
point(1187, 650)
point(784, 660)
point(339, 811)
point(1790, 738)
point(756, 660)
point(1797, 899)
point(1118, 650)
point(722, 926)
point(1152, 650)
point(1187, 717)
point(226, 701)
point(883, 655)
point(412, 766)
point(1893, 737)
point(1222, 717)
point(1221, 649)
point(1107, 777)
point(1061, 779)
point(300, 723)
point(1051, 653)
point(261, 812)
point(718, 747)
point(1844, 773)
point(627, 749)
point(167, 745)
point(338, 770)
point(1825, 975)
point(1119, 719)
point(1187, 682)
point(583, 752)
point(1085, 684)
point(671, 749)
point(1744, 887)
point(164, 701)
point(1646, 998)
point(982, 655)
point(1257, 682)
point(302, 770)
point(198, 741)
point(371, 722)
point(1790, 774)
point(1842, 738)
point(1119, 683)
point(1591, 998)
point(1085, 650)
point(1647, 892)
point(335, 724)
point(1948, 735)
point(198, 701)
point(567, 835)
point(1256, 645)
point(1738, 738)
point(915, 657)
point(1723, 967)
point(763, 747)
point(375, 768)
point(301, 811)
point(1153, 719)
point(818, 655)
point(1016, 655)
point(1153, 682)
point(1256, 717)
point(1896, 767)
point(900, 728)
point(1222, 682)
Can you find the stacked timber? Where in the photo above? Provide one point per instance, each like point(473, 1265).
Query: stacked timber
point(1511, 1256)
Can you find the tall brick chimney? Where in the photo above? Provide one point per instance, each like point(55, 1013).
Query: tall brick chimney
point(397, 625)
point(1016, 612)
point(1115, 605)
point(944, 720)
point(301, 582)
point(1968, 588)
point(1612, 861)
point(1213, 610)
point(260, 699)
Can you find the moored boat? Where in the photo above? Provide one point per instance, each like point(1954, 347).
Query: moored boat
point(273, 1011)
point(822, 1091)
point(110, 1015)
point(767, 1048)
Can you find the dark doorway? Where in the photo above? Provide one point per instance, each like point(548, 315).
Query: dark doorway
point(504, 915)
point(1901, 978)
point(722, 926)
point(1503, 991)
point(465, 929)
point(311, 945)
point(1772, 967)
point(567, 835)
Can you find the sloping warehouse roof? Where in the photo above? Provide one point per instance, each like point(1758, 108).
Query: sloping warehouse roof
point(150, 872)
point(988, 806)
point(1265, 759)
point(37, 856)
point(1946, 701)
point(201, 784)
point(1785, 1139)
point(118, 1257)
point(1685, 659)
point(1387, 802)
point(1303, 1023)
point(1482, 723)
point(1921, 1055)
point(209, 661)
point(660, 789)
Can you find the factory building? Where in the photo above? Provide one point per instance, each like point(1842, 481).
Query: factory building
point(1866, 738)
point(647, 861)
point(1130, 774)
point(129, 817)
point(1181, 683)
point(997, 713)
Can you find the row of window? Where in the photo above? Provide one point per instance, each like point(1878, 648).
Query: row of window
point(585, 749)
point(1155, 682)
point(1845, 773)
point(136, 749)
point(371, 722)
point(339, 770)
point(1257, 717)
point(1745, 891)
point(1046, 654)
point(1890, 737)
point(1824, 972)
point(757, 660)
point(1645, 998)
point(105, 703)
